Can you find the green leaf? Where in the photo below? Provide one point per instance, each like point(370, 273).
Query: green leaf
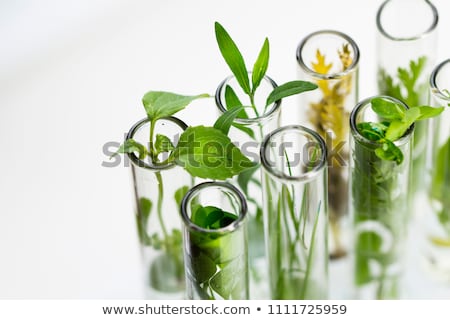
point(389, 151)
point(130, 146)
point(232, 100)
point(372, 130)
point(179, 194)
point(208, 153)
point(203, 267)
point(387, 109)
point(427, 112)
point(244, 129)
point(228, 281)
point(397, 129)
point(160, 104)
point(260, 66)
point(289, 89)
point(233, 57)
point(163, 144)
point(165, 264)
point(224, 122)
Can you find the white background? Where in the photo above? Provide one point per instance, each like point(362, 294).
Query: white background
point(72, 74)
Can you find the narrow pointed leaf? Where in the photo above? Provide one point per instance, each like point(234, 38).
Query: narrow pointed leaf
point(232, 100)
point(427, 112)
point(233, 57)
point(160, 104)
point(261, 64)
point(224, 122)
point(289, 89)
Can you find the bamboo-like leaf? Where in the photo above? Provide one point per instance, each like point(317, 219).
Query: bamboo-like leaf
point(289, 89)
point(260, 66)
point(232, 100)
point(233, 57)
point(224, 122)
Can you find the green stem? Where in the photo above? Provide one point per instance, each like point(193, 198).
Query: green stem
point(159, 205)
point(252, 102)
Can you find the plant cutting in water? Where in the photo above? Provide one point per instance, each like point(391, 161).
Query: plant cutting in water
point(217, 268)
point(380, 207)
point(249, 82)
point(195, 151)
point(409, 85)
point(329, 115)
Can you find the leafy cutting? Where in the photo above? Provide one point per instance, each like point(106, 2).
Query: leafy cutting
point(379, 196)
point(215, 265)
point(396, 122)
point(409, 84)
point(236, 63)
point(329, 114)
point(204, 152)
point(249, 81)
point(407, 87)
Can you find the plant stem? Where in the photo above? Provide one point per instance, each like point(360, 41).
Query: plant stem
point(252, 102)
point(158, 175)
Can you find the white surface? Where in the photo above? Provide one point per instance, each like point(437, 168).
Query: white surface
point(71, 77)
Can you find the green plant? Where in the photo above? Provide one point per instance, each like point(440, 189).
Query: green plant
point(236, 63)
point(410, 85)
point(380, 205)
point(329, 114)
point(217, 267)
point(249, 81)
point(197, 152)
point(396, 122)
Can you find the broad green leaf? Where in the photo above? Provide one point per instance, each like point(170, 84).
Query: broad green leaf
point(208, 153)
point(260, 66)
point(229, 281)
point(387, 109)
point(179, 194)
point(233, 57)
point(232, 100)
point(389, 151)
point(427, 112)
point(245, 176)
point(160, 104)
point(166, 265)
point(372, 130)
point(203, 267)
point(163, 144)
point(130, 146)
point(224, 122)
point(289, 89)
point(397, 129)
